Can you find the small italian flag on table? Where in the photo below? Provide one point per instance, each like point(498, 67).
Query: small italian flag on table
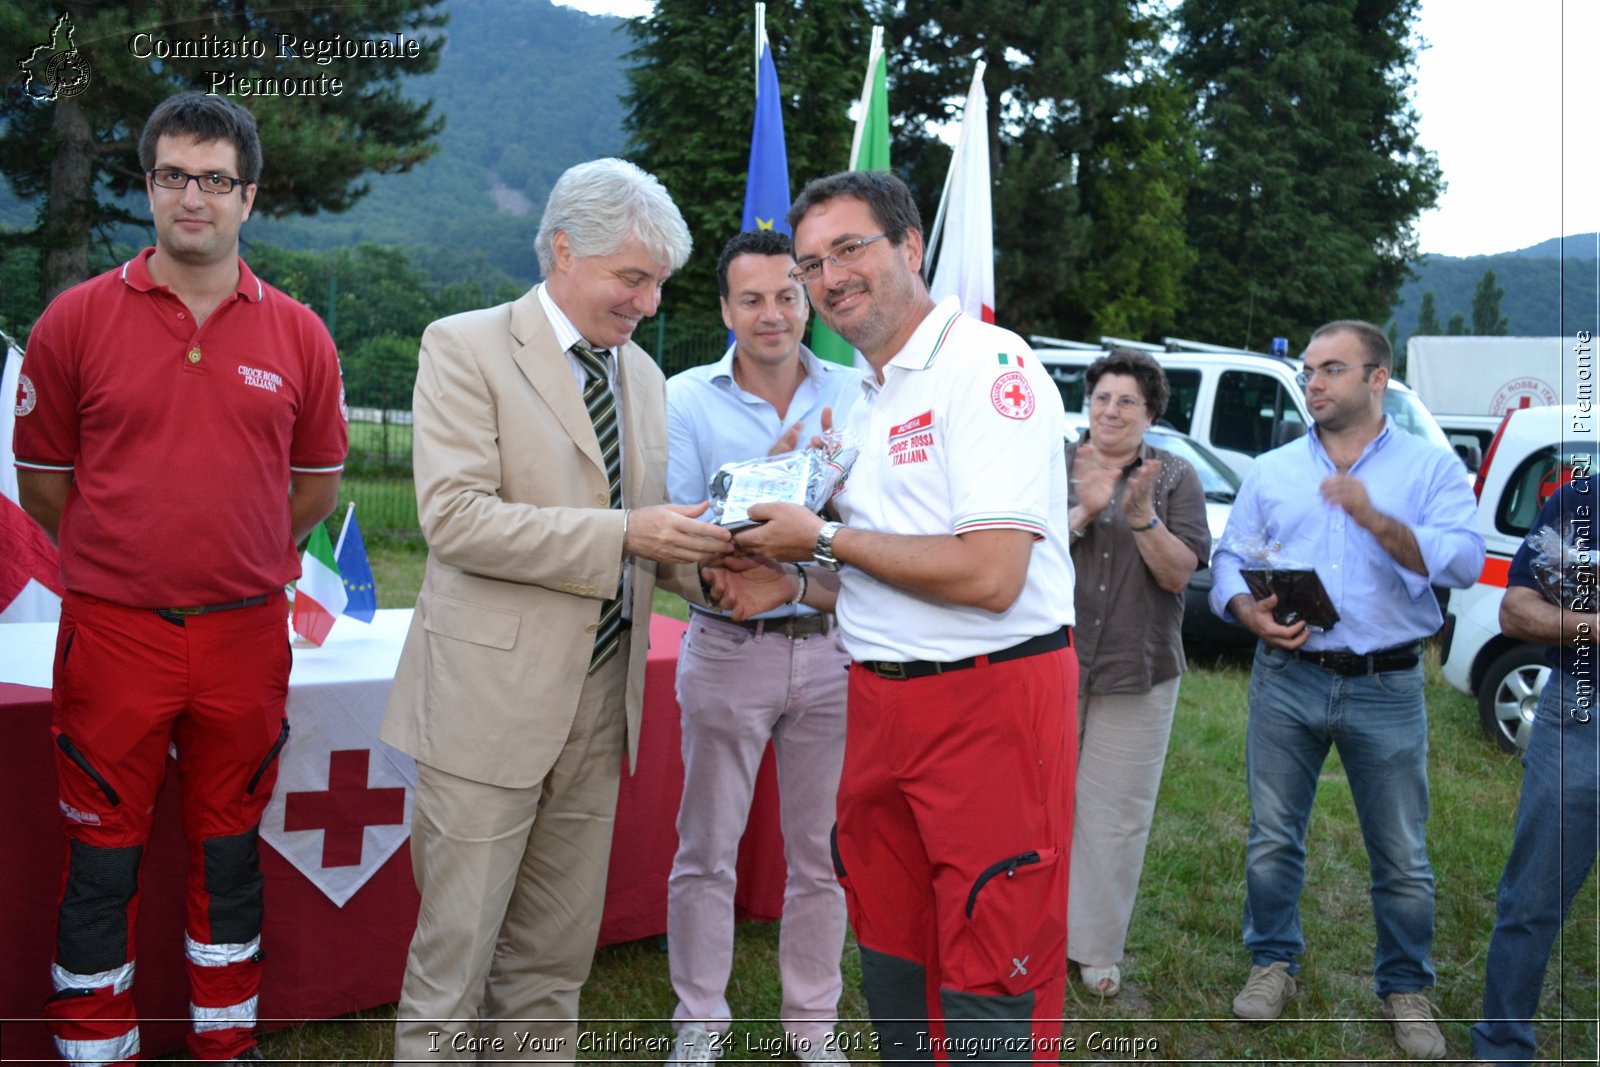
point(320, 596)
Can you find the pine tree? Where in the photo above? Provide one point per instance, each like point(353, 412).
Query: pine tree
point(1457, 326)
point(1486, 318)
point(1091, 153)
point(692, 102)
point(1427, 317)
point(81, 151)
point(1311, 173)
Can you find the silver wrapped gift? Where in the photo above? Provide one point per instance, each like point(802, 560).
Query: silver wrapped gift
point(808, 477)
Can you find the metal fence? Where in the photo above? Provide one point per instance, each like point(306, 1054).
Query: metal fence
point(377, 473)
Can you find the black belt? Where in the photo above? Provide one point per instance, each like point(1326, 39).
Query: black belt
point(1033, 646)
point(791, 626)
point(177, 615)
point(1352, 664)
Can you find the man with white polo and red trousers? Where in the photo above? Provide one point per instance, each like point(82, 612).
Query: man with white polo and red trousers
point(180, 426)
point(952, 581)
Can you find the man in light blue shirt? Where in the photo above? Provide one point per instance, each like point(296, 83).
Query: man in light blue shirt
point(1381, 515)
point(779, 677)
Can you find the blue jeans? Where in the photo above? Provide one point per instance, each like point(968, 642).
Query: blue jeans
point(1297, 711)
point(1551, 854)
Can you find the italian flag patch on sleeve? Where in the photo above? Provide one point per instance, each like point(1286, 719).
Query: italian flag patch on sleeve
point(1010, 361)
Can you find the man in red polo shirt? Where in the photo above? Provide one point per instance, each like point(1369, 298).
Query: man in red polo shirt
point(180, 427)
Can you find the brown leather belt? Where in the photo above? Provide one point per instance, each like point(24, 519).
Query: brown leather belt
point(177, 615)
point(1033, 646)
point(1353, 665)
point(791, 626)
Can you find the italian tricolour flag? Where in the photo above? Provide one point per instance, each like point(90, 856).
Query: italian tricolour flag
point(320, 596)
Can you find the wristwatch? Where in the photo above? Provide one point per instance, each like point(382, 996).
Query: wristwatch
point(823, 553)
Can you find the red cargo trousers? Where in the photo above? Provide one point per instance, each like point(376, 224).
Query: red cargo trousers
point(130, 685)
point(953, 841)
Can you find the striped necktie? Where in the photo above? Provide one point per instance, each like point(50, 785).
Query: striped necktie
point(602, 405)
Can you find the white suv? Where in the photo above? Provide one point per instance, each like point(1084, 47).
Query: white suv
point(1531, 456)
point(1238, 404)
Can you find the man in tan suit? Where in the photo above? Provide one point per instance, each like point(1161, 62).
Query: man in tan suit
point(540, 452)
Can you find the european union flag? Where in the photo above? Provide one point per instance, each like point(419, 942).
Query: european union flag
point(766, 190)
point(361, 590)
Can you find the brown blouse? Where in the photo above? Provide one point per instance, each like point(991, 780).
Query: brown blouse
point(1128, 633)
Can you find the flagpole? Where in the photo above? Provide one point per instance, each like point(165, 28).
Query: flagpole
point(955, 161)
point(761, 37)
point(349, 511)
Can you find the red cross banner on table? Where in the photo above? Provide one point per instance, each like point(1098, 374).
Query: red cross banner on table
point(342, 805)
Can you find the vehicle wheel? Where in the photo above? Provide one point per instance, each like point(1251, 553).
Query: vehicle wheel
point(1509, 695)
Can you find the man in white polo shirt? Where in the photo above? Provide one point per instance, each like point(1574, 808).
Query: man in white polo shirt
point(952, 582)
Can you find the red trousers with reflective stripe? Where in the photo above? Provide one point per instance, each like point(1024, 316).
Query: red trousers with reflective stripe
point(128, 686)
point(954, 832)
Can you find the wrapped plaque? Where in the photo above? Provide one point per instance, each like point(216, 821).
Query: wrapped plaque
point(808, 477)
point(1564, 564)
point(1301, 594)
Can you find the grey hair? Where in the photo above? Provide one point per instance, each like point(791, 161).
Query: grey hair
point(602, 205)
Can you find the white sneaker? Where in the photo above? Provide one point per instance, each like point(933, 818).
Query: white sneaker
point(695, 1044)
point(817, 1053)
point(1264, 995)
point(1414, 1029)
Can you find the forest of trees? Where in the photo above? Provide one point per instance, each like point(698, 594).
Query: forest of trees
point(1543, 292)
point(1228, 170)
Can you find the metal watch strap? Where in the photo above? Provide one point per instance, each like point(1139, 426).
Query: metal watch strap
point(823, 553)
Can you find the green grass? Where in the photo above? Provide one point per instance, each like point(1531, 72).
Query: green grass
point(385, 503)
point(373, 442)
point(1184, 960)
point(397, 565)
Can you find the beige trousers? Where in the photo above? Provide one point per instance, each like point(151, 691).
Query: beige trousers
point(513, 885)
point(1122, 747)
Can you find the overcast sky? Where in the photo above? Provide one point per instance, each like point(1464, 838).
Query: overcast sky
point(1520, 150)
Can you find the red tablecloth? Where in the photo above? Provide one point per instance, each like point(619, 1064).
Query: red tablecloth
point(323, 960)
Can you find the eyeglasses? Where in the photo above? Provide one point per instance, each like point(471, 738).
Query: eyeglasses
point(810, 270)
point(1330, 371)
point(217, 184)
point(1124, 404)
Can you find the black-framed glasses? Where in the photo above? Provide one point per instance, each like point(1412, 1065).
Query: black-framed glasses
point(810, 270)
point(216, 184)
point(1330, 371)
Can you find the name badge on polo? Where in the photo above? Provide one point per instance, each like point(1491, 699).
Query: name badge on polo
point(909, 442)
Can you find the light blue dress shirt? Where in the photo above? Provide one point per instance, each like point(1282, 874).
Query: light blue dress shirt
point(1380, 603)
point(712, 421)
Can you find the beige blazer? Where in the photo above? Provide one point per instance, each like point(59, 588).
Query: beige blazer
point(523, 549)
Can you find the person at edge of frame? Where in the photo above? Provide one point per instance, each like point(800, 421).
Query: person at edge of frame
point(1558, 815)
point(182, 427)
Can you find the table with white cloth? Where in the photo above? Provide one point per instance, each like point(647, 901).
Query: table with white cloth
point(340, 901)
